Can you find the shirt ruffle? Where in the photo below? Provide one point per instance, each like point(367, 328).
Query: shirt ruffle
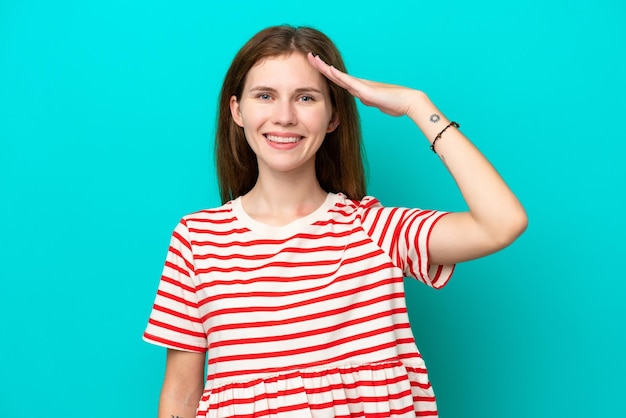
point(390, 389)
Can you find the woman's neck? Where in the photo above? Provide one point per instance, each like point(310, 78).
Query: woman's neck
point(278, 201)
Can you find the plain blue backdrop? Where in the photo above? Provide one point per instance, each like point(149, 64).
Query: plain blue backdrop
point(107, 112)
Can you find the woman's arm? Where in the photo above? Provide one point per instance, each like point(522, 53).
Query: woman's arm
point(182, 385)
point(495, 217)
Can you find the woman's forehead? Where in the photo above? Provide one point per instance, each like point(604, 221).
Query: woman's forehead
point(291, 70)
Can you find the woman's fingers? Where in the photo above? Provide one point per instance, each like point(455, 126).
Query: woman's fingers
point(388, 98)
point(338, 77)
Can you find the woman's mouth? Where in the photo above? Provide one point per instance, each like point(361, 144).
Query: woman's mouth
point(283, 139)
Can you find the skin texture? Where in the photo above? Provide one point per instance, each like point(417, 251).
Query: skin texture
point(287, 96)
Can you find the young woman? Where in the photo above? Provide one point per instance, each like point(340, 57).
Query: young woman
point(294, 286)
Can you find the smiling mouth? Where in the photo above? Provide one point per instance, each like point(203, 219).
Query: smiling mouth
point(283, 139)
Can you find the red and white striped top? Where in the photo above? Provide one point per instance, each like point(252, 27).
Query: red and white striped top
point(304, 320)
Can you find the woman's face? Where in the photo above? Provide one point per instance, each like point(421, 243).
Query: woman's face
point(285, 111)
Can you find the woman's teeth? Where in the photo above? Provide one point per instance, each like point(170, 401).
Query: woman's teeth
point(283, 139)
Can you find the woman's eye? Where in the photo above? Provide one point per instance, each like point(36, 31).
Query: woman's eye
point(307, 99)
point(263, 96)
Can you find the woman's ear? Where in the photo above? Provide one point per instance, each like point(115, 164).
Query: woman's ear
point(334, 122)
point(235, 111)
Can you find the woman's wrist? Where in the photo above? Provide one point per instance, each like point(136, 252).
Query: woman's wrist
point(426, 115)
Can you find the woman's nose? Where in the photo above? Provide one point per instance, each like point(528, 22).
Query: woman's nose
point(285, 113)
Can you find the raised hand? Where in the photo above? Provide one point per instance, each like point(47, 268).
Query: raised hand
point(389, 98)
point(495, 217)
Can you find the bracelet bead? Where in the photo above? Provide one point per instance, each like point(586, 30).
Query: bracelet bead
point(432, 145)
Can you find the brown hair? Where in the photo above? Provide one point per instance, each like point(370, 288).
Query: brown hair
point(339, 161)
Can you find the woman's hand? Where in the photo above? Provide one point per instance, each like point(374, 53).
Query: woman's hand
point(390, 99)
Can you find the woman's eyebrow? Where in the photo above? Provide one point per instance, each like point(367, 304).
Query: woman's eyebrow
point(262, 88)
point(298, 90)
point(309, 90)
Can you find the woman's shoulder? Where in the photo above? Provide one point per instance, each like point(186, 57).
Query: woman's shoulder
point(357, 204)
point(355, 209)
point(217, 213)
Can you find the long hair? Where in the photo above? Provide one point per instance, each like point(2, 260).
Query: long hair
point(339, 160)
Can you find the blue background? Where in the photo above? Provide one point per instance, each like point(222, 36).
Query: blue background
point(107, 114)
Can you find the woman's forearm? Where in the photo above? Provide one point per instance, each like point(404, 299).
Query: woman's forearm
point(172, 406)
point(490, 201)
point(182, 385)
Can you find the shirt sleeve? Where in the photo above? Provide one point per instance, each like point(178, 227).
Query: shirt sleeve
point(175, 320)
point(403, 234)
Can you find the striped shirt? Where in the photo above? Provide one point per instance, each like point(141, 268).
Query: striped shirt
point(304, 320)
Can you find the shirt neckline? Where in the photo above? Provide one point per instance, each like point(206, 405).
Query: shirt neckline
point(295, 226)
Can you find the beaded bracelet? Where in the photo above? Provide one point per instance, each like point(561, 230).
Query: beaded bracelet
point(432, 146)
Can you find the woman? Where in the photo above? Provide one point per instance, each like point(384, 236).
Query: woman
point(294, 286)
